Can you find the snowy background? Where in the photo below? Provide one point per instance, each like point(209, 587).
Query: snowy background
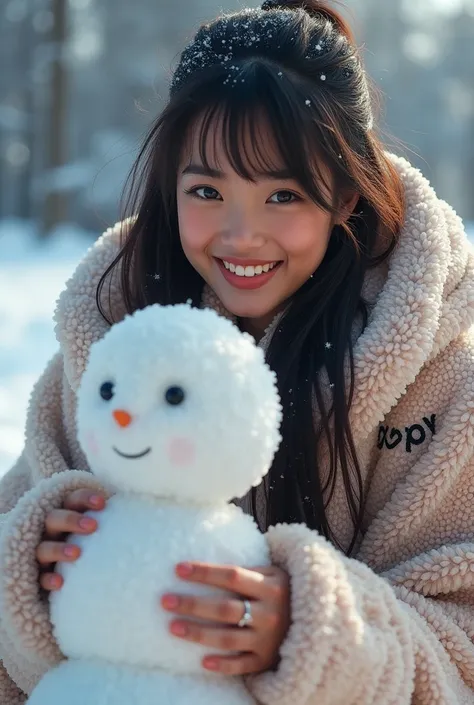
point(31, 278)
point(83, 80)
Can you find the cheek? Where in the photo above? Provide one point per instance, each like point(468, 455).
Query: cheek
point(181, 451)
point(196, 228)
point(305, 239)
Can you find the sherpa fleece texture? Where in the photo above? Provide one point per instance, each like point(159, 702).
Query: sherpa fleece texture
point(394, 625)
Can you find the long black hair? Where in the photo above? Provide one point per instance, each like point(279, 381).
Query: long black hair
point(294, 64)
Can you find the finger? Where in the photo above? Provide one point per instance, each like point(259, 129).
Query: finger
point(51, 581)
point(267, 570)
point(64, 521)
point(49, 552)
point(82, 500)
point(233, 639)
point(231, 578)
point(210, 609)
point(277, 583)
point(241, 665)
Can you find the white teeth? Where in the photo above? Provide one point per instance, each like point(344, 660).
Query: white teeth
point(249, 270)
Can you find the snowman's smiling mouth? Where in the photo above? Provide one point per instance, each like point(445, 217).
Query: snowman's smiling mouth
point(132, 457)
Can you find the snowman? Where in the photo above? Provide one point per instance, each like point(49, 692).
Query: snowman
point(177, 414)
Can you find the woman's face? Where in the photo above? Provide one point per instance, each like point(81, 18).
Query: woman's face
point(254, 243)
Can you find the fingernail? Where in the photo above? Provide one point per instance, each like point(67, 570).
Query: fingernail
point(170, 602)
point(211, 664)
point(185, 569)
point(86, 523)
point(95, 500)
point(53, 581)
point(179, 629)
point(70, 551)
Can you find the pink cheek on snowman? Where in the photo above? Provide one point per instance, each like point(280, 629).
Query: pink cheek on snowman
point(181, 451)
point(91, 443)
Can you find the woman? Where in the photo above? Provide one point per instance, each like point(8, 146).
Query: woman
point(263, 191)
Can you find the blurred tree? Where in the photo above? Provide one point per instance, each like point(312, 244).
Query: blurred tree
point(25, 55)
point(17, 44)
point(55, 207)
point(83, 79)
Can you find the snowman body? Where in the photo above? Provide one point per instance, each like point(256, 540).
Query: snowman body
point(109, 622)
point(93, 682)
point(177, 414)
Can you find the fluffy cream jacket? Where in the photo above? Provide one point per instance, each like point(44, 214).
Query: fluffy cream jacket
point(394, 625)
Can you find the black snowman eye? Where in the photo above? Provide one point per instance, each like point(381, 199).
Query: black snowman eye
point(107, 391)
point(174, 396)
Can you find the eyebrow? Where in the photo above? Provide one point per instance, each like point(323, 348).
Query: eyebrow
point(201, 170)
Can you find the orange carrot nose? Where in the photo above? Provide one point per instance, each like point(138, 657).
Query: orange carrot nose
point(123, 418)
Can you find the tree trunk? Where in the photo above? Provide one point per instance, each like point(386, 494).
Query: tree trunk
point(55, 209)
point(25, 60)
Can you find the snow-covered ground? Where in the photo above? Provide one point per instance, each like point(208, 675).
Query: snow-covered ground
point(31, 278)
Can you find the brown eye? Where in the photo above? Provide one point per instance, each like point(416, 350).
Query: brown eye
point(207, 193)
point(283, 197)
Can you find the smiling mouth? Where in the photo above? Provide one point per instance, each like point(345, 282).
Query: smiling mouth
point(132, 457)
point(249, 270)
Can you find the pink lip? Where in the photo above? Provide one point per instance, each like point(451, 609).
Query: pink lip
point(246, 282)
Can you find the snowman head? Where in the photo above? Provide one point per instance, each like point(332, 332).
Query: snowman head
point(177, 403)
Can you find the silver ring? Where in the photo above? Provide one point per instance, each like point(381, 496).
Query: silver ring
point(247, 619)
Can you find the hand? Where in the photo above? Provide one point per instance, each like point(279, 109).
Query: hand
point(268, 592)
point(58, 524)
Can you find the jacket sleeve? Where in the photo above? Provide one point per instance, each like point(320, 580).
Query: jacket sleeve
point(36, 484)
point(403, 634)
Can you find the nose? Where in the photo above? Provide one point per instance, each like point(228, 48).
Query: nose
point(123, 418)
point(241, 233)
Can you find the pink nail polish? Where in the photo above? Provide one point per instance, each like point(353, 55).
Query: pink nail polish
point(170, 602)
point(95, 500)
point(87, 524)
point(185, 569)
point(211, 664)
point(70, 551)
point(179, 629)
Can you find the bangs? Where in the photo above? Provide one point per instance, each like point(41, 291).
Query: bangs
point(265, 126)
